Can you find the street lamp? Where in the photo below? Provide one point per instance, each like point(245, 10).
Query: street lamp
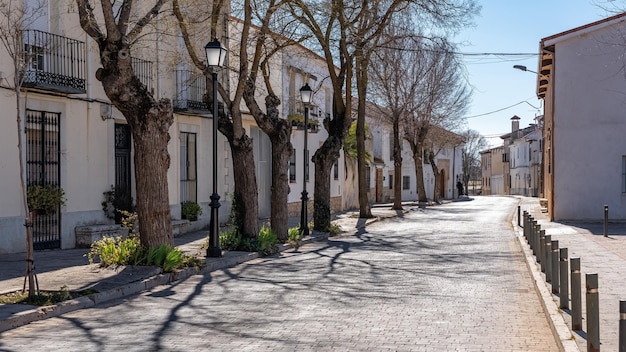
point(306, 94)
point(523, 68)
point(215, 54)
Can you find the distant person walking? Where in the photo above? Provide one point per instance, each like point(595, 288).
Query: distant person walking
point(459, 186)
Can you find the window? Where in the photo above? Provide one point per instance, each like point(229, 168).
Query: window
point(188, 170)
point(292, 166)
point(406, 182)
point(336, 170)
point(505, 157)
point(623, 173)
point(390, 181)
point(368, 177)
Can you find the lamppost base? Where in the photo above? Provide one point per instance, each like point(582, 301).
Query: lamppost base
point(214, 252)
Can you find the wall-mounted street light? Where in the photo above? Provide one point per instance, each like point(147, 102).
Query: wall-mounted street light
point(216, 55)
point(523, 68)
point(306, 94)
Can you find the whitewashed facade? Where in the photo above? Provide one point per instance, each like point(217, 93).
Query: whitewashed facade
point(582, 83)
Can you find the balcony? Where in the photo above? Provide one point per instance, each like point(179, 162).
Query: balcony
point(190, 91)
point(54, 62)
point(143, 71)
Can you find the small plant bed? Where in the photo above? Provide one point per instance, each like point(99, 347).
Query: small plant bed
point(113, 252)
point(44, 298)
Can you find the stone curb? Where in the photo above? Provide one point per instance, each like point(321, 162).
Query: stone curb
point(560, 330)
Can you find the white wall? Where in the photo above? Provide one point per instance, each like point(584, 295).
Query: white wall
point(590, 125)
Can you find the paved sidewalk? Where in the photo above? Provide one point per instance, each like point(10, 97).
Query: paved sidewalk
point(605, 256)
point(57, 268)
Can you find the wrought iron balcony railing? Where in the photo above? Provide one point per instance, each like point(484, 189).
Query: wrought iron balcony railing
point(190, 91)
point(54, 62)
point(143, 71)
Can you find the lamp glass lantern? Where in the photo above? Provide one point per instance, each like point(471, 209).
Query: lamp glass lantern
point(215, 53)
point(306, 94)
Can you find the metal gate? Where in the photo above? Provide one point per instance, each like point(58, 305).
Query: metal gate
point(123, 191)
point(43, 168)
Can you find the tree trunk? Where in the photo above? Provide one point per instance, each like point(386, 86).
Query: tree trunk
point(365, 210)
point(281, 152)
point(437, 189)
point(324, 159)
point(149, 123)
point(245, 185)
point(419, 174)
point(397, 167)
point(152, 160)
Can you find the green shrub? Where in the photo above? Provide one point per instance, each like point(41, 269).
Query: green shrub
point(116, 251)
point(294, 237)
point(190, 210)
point(267, 242)
point(173, 260)
point(230, 240)
point(45, 199)
point(128, 251)
point(334, 229)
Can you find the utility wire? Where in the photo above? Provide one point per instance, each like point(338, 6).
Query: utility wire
point(502, 109)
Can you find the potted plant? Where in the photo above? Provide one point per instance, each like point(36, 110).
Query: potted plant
point(190, 210)
point(296, 120)
point(45, 200)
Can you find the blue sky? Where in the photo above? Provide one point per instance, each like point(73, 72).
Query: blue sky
point(513, 27)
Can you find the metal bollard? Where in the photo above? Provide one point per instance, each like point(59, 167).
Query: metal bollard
point(593, 313)
point(606, 221)
point(548, 258)
point(563, 282)
point(519, 221)
point(542, 250)
point(577, 306)
point(533, 230)
point(536, 241)
point(622, 326)
point(555, 267)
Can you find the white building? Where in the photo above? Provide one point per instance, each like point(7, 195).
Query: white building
point(582, 83)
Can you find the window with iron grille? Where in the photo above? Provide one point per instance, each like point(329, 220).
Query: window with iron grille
point(390, 181)
point(368, 177)
point(292, 166)
point(336, 170)
point(406, 182)
point(188, 167)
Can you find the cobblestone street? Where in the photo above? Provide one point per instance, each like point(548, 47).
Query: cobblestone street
point(443, 278)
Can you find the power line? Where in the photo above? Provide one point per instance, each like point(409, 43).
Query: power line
point(459, 52)
point(502, 109)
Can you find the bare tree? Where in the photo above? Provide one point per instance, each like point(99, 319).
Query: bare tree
point(149, 120)
point(192, 24)
point(437, 140)
point(15, 17)
point(474, 144)
point(395, 94)
point(443, 98)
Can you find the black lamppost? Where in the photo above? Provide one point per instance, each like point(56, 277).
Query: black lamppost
point(215, 54)
point(306, 94)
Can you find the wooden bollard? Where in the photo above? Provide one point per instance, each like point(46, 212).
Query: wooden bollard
point(555, 267)
point(577, 307)
point(622, 326)
point(548, 258)
point(593, 313)
point(563, 279)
